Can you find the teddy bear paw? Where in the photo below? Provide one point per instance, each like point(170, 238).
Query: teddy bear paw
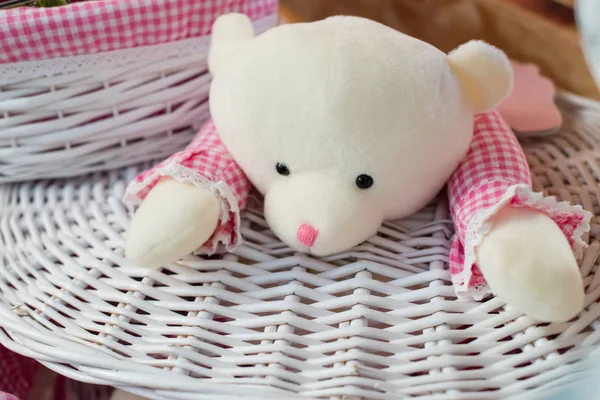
point(528, 262)
point(174, 220)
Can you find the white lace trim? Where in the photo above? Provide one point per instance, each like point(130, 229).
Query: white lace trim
point(481, 225)
point(229, 203)
point(12, 73)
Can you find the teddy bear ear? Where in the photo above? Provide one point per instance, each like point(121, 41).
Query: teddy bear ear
point(485, 72)
point(229, 31)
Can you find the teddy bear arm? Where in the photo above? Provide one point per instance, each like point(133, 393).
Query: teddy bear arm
point(509, 240)
point(189, 203)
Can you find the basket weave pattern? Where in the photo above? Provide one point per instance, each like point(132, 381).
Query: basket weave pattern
point(95, 121)
point(128, 83)
point(378, 322)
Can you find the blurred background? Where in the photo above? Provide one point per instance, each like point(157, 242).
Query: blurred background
point(538, 31)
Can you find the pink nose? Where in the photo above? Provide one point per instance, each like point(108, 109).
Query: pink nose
point(307, 235)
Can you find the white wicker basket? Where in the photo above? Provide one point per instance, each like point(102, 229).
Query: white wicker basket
point(93, 109)
point(378, 322)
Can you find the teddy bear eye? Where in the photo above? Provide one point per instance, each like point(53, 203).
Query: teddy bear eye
point(282, 169)
point(364, 181)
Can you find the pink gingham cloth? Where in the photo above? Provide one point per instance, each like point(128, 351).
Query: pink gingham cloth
point(17, 375)
point(204, 163)
point(495, 173)
point(89, 27)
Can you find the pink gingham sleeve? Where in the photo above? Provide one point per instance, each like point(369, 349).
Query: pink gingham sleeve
point(494, 174)
point(205, 163)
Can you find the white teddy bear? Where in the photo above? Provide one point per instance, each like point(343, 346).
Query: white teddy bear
point(344, 123)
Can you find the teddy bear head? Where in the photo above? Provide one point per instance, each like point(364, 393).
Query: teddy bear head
point(344, 123)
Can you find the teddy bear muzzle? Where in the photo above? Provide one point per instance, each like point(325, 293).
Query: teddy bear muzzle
point(321, 212)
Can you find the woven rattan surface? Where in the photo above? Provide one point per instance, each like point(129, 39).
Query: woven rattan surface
point(81, 122)
point(378, 322)
point(95, 112)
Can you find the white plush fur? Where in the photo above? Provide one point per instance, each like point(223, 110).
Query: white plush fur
point(175, 219)
point(342, 97)
point(229, 32)
point(486, 73)
point(528, 262)
point(335, 99)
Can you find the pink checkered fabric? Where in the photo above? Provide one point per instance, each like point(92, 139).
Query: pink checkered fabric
point(495, 173)
point(205, 163)
point(28, 34)
point(17, 374)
